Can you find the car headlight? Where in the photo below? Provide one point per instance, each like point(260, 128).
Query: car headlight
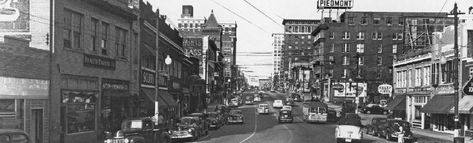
point(170, 132)
point(127, 140)
point(190, 130)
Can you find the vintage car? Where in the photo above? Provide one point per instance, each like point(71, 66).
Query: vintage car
point(374, 109)
point(286, 107)
point(289, 101)
point(14, 136)
point(257, 98)
point(349, 129)
point(373, 128)
point(278, 104)
point(188, 128)
point(204, 121)
point(138, 130)
point(236, 116)
point(285, 116)
point(234, 102)
point(215, 120)
point(390, 130)
point(296, 97)
point(263, 109)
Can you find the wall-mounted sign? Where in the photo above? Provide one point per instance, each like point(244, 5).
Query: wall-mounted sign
point(337, 87)
point(334, 4)
point(23, 86)
point(193, 47)
point(468, 88)
point(113, 84)
point(385, 89)
point(148, 77)
point(162, 80)
point(350, 90)
point(99, 62)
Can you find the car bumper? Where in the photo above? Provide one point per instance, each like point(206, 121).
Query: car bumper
point(187, 136)
point(348, 140)
point(285, 120)
point(235, 121)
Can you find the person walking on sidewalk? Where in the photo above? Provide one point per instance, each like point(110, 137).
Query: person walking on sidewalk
point(400, 134)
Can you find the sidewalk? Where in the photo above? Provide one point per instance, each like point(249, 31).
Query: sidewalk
point(437, 135)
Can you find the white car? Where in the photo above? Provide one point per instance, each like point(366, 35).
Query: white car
point(257, 99)
point(278, 104)
point(263, 109)
point(285, 107)
point(348, 133)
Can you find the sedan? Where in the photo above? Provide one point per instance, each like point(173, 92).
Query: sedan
point(285, 116)
point(278, 104)
point(263, 109)
point(374, 109)
point(236, 116)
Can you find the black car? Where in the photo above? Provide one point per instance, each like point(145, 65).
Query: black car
point(285, 116)
point(390, 130)
point(138, 130)
point(14, 136)
point(203, 119)
point(215, 120)
point(374, 109)
point(296, 97)
point(376, 122)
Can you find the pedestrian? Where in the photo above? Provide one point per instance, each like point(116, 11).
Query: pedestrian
point(400, 136)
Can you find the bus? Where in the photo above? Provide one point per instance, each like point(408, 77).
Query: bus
point(315, 112)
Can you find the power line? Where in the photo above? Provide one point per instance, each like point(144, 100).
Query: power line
point(239, 16)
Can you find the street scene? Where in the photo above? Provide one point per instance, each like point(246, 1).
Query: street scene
point(236, 71)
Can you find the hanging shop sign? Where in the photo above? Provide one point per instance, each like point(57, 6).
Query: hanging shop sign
point(148, 77)
point(385, 89)
point(193, 47)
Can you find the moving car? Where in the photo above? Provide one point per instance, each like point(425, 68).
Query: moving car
point(315, 112)
point(138, 130)
point(374, 127)
point(374, 109)
point(249, 99)
point(390, 130)
point(14, 136)
point(234, 102)
point(188, 128)
point(349, 129)
point(236, 116)
point(215, 120)
point(203, 121)
point(278, 104)
point(285, 116)
point(263, 109)
point(257, 99)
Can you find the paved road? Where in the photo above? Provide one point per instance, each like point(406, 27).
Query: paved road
point(266, 129)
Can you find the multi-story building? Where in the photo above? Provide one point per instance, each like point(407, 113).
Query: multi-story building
point(188, 24)
point(298, 53)
point(229, 42)
point(278, 41)
point(355, 54)
point(92, 75)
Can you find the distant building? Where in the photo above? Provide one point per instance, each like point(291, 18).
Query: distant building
point(278, 41)
point(264, 84)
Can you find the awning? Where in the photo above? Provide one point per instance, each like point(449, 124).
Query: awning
point(164, 95)
point(465, 105)
point(151, 94)
point(439, 104)
point(398, 103)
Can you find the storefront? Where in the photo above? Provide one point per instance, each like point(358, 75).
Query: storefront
point(116, 103)
point(416, 99)
point(24, 106)
point(398, 106)
point(438, 111)
point(465, 106)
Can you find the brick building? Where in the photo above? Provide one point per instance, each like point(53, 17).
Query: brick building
point(278, 39)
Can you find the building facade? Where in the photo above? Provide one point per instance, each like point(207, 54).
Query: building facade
point(278, 40)
point(229, 42)
point(297, 54)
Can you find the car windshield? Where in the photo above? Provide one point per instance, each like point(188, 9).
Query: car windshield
point(263, 105)
point(235, 112)
point(187, 121)
point(317, 110)
point(277, 101)
point(285, 112)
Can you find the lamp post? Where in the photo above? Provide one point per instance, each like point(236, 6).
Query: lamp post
point(168, 62)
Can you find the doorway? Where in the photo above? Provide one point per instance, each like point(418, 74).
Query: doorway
point(37, 125)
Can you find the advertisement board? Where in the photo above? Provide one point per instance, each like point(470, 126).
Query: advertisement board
point(349, 89)
point(14, 15)
point(193, 47)
point(334, 4)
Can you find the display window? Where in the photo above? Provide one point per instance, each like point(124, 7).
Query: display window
point(11, 113)
point(80, 110)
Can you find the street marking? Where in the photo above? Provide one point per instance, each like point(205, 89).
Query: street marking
point(254, 131)
point(290, 134)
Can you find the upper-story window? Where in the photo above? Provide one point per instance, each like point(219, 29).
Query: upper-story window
point(346, 35)
point(360, 36)
point(332, 35)
point(120, 42)
point(72, 29)
point(351, 20)
point(379, 60)
point(332, 48)
point(346, 48)
point(377, 36)
point(400, 21)
point(380, 48)
point(103, 43)
point(394, 48)
point(361, 60)
point(330, 59)
point(345, 73)
point(94, 34)
point(389, 20)
point(376, 20)
point(346, 60)
point(360, 48)
point(364, 20)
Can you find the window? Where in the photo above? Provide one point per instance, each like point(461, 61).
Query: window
point(345, 73)
point(72, 29)
point(346, 48)
point(389, 20)
point(380, 48)
point(120, 42)
point(360, 48)
point(80, 110)
point(400, 36)
point(332, 35)
point(346, 60)
point(351, 20)
point(376, 20)
point(380, 60)
point(471, 72)
point(360, 36)
point(346, 35)
point(377, 36)
point(394, 48)
point(332, 48)
point(426, 75)
point(103, 43)
point(364, 21)
point(93, 36)
point(361, 60)
point(418, 77)
point(400, 21)
point(296, 28)
point(330, 59)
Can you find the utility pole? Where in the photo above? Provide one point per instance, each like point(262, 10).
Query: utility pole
point(458, 135)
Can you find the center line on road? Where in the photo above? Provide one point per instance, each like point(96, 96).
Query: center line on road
point(254, 131)
point(290, 134)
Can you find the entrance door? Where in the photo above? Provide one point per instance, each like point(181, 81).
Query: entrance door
point(37, 125)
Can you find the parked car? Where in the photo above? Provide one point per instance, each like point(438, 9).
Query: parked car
point(296, 97)
point(188, 128)
point(390, 130)
point(349, 129)
point(215, 120)
point(257, 98)
point(286, 107)
point(14, 136)
point(374, 109)
point(236, 116)
point(278, 104)
point(138, 130)
point(373, 128)
point(203, 119)
point(285, 116)
point(263, 109)
point(235, 102)
point(289, 101)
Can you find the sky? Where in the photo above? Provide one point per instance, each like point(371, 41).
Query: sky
point(255, 29)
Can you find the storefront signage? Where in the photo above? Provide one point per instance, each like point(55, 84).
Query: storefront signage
point(337, 87)
point(148, 78)
point(468, 88)
point(385, 89)
point(193, 47)
point(112, 84)
point(334, 4)
point(162, 81)
point(99, 62)
point(350, 90)
point(23, 87)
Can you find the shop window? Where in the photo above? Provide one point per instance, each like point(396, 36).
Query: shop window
point(80, 110)
point(11, 113)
